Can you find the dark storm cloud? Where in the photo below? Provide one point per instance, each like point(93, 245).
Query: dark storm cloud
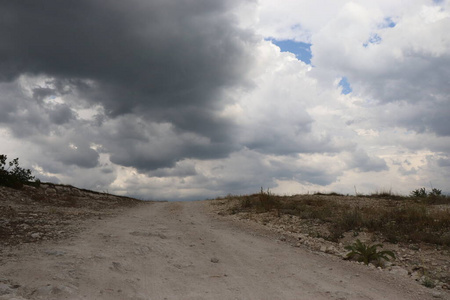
point(361, 161)
point(140, 53)
point(164, 61)
point(181, 170)
point(415, 92)
point(82, 156)
point(61, 114)
point(424, 117)
point(20, 113)
point(136, 142)
point(30, 116)
point(421, 79)
point(443, 162)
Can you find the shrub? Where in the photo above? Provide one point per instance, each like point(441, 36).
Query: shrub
point(12, 175)
point(435, 193)
point(367, 254)
point(419, 193)
point(422, 193)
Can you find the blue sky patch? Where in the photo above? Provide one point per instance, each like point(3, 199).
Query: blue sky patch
point(346, 88)
point(389, 23)
point(301, 50)
point(374, 39)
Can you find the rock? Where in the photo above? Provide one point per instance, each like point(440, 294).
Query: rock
point(25, 226)
point(116, 266)
point(436, 295)
point(414, 247)
point(76, 192)
point(323, 248)
point(44, 292)
point(331, 250)
point(214, 260)
point(387, 264)
point(55, 252)
point(416, 276)
point(28, 188)
point(398, 270)
point(50, 191)
point(36, 235)
point(5, 289)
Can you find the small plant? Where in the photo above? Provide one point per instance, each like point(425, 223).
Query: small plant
point(268, 201)
point(367, 254)
point(428, 282)
point(246, 202)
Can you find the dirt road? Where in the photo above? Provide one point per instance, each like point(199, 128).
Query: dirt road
point(181, 251)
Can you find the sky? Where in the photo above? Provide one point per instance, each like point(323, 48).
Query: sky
point(197, 99)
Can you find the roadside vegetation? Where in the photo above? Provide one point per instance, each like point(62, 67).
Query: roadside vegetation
point(13, 176)
point(422, 217)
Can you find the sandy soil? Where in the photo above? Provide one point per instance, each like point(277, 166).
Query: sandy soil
point(181, 250)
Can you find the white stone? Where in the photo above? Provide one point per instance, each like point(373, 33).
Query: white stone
point(5, 289)
point(36, 235)
point(398, 270)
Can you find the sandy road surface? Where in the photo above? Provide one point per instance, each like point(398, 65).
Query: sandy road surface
point(180, 251)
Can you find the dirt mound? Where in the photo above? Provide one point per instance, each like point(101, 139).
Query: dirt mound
point(50, 211)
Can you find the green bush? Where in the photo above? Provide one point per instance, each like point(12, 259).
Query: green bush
point(11, 175)
point(435, 193)
point(422, 193)
point(419, 193)
point(366, 253)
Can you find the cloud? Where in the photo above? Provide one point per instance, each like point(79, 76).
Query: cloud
point(149, 146)
point(406, 66)
point(152, 57)
point(163, 62)
point(191, 99)
point(364, 163)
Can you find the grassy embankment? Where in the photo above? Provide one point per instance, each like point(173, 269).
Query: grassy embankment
point(394, 218)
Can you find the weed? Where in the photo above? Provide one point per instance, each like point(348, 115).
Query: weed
point(247, 202)
point(428, 282)
point(367, 254)
point(267, 200)
point(53, 210)
point(351, 220)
